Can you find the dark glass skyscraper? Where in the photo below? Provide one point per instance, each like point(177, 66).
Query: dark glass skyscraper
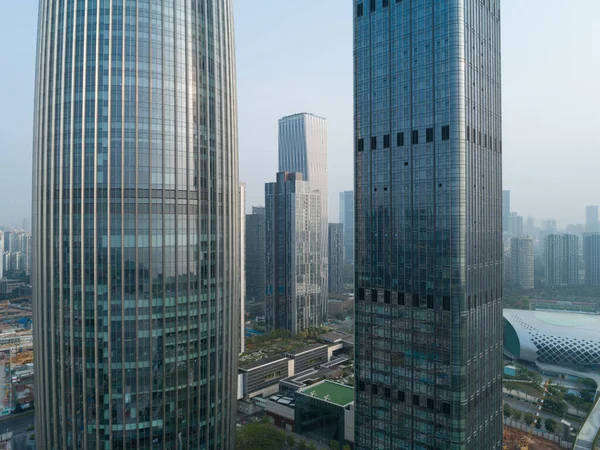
point(136, 225)
point(428, 188)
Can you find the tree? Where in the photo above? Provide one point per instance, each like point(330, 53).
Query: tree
point(291, 441)
point(517, 414)
point(334, 445)
point(589, 383)
point(538, 424)
point(302, 445)
point(528, 418)
point(508, 410)
point(550, 425)
point(312, 446)
point(347, 447)
point(259, 436)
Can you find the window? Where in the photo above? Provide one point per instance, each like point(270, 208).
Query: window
point(415, 137)
point(474, 135)
point(485, 140)
point(388, 392)
point(445, 408)
point(401, 298)
point(446, 132)
point(385, 3)
point(416, 400)
point(361, 293)
point(372, 5)
point(401, 396)
point(429, 135)
point(479, 137)
point(430, 404)
point(361, 385)
point(430, 301)
point(468, 133)
point(374, 143)
point(400, 139)
point(374, 295)
point(360, 144)
point(416, 300)
point(387, 297)
point(386, 141)
point(446, 303)
point(374, 389)
point(359, 10)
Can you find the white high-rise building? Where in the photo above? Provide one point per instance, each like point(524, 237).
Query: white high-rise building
point(242, 266)
point(591, 219)
point(562, 259)
point(303, 149)
point(521, 262)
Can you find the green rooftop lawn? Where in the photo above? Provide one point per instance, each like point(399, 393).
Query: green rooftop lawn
point(338, 394)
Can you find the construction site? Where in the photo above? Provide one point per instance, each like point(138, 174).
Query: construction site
point(519, 440)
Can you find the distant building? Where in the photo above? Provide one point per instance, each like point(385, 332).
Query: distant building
point(521, 262)
point(591, 258)
point(562, 259)
point(325, 411)
point(336, 258)
point(591, 219)
point(516, 224)
point(347, 219)
point(340, 306)
point(295, 298)
point(255, 258)
point(506, 212)
point(1, 255)
point(303, 149)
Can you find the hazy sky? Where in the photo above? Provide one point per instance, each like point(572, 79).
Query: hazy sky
point(294, 58)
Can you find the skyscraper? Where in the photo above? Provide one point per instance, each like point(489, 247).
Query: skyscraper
point(591, 258)
point(521, 262)
point(336, 258)
point(506, 211)
point(516, 224)
point(347, 219)
point(591, 219)
point(428, 191)
point(295, 299)
point(242, 254)
point(303, 149)
point(255, 258)
point(562, 259)
point(136, 226)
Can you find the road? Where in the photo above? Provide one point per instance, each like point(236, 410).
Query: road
point(528, 407)
point(18, 424)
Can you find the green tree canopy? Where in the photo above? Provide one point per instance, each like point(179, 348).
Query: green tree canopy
point(260, 436)
point(550, 425)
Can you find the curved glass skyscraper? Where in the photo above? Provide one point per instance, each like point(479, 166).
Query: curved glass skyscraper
point(136, 276)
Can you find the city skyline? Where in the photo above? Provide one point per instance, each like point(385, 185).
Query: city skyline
point(269, 29)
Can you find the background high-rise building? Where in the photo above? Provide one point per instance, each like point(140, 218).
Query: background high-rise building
point(428, 190)
point(591, 219)
point(303, 149)
point(336, 258)
point(242, 242)
point(255, 259)
point(562, 259)
point(1, 255)
point(521, 262)
point(295, 299)
point(136, 227)
point(506, 211)
point(516, 224)
point(591, 258)
point(347, 219)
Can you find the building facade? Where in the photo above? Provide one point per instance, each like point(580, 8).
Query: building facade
point(516, 224)
point(591, 258)
point(295, 298)
point(242, 242)
point(521, 262)
point(303, 149)
point(255, 257)
point(336, 258)
point(136, 227)
point(428, 191)
point(347, 219)
point(562, 259)
point(506, 211)
point(591, 219)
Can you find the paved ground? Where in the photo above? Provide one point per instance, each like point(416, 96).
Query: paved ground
point(585, 439)
point(18, 424)
point(528, 407)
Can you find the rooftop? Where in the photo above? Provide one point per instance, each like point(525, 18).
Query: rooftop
point(308, 348)
point(585, 327)
point(261, 362)
point(335, 393)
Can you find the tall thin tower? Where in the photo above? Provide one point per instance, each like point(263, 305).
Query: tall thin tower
point(136, 225)
point(428, 189)
point(303, 149)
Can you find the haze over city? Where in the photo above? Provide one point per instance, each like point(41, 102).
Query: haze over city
point(292, 59)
